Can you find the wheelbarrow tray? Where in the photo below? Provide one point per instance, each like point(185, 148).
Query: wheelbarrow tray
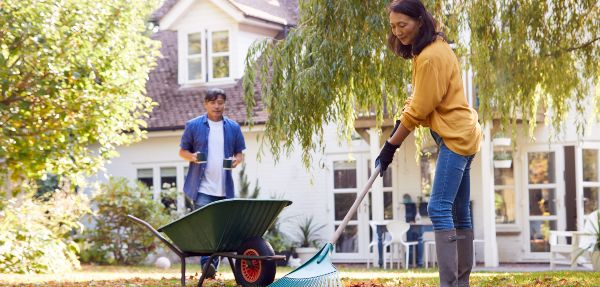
point(222, 226)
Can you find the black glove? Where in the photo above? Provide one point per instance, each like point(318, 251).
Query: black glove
point(395, 127)
point(386, 156)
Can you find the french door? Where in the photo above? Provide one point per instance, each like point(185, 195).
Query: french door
point(588, 179)
point(348, 177)
point(543, 197)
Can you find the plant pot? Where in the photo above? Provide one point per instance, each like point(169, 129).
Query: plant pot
point(287, 253)
point(501, 141)
point(305, 253)
point(595, 260)
point(502, 163)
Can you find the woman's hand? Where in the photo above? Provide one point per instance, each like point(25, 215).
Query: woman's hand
point(386, 156)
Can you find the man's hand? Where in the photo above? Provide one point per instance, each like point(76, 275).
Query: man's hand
point(386, 156)
point(237, 160)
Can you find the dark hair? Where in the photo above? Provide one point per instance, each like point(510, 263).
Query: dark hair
point(213, 94)
point(427, 33)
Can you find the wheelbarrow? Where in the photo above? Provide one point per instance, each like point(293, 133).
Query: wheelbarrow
point(230, 228)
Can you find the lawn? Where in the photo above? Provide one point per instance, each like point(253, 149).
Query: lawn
point(101, 276)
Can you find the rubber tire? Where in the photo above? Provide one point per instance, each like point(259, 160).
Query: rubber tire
point(268, 267)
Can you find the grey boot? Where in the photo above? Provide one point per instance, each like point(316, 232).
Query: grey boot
point(464, 246)
point(447, 257)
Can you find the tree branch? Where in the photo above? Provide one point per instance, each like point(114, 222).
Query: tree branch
point(571, 49)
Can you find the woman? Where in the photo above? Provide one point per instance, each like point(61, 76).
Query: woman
point(438, 102)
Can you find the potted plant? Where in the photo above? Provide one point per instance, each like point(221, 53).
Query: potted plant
point(279, 241)
point(307, 238)
point(501, 140)
point(593, 247)
point(502, 159)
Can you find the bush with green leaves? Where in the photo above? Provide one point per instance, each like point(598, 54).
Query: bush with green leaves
point(115, 239)
point(36, 233)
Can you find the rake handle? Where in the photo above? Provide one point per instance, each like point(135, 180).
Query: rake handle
point(352, 211)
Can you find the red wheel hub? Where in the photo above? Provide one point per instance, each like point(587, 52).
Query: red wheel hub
point(251, 269)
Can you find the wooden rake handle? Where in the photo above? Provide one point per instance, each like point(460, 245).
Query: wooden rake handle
point(352, 211)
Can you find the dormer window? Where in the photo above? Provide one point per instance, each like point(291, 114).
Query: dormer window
point(205, 56)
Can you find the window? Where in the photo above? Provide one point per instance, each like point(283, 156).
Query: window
point(504, 197)
point(591, 180)
point(162, 180)
point(344, 195)
point(195, 57)
point(145, 176)
point(344, 174)
point(219, 55)
point(427, 164)
point(388, 196)
point(207, 57)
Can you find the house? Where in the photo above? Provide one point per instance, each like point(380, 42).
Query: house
point(547, 185)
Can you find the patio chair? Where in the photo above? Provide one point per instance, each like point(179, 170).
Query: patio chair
point(563, 245)
point(397, 230)
point(374, 242)
point(429, 246)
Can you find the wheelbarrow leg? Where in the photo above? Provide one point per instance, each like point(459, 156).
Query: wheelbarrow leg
point(232, 265)
point(204, 269)
point(182, 271)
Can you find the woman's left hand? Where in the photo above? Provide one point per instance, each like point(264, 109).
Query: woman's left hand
point(386, 156)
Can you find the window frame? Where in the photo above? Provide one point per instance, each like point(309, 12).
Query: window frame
point(206, 56)
point(514, 227)
point(210, 55)
point(184, 49)
point(156, 177)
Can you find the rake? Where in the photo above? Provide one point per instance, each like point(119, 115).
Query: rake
point(318, 271)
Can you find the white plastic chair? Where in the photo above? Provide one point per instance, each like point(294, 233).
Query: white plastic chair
point(429, 245)
point(397, 230)
point(387, 238)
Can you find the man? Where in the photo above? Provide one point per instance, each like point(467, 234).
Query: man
point(217, 138)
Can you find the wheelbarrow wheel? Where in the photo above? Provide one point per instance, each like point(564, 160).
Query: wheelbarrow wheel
point(255, 272)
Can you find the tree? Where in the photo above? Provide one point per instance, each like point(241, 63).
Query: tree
point(335, 66)
point(73, 76)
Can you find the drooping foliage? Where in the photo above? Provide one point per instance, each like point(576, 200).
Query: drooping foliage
point(334, 66)
point(533, 57)
point(72, 83)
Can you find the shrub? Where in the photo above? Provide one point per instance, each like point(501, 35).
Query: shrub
point(36, 234)
point(115, 238)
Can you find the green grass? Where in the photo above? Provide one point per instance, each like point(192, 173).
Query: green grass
point(127, 276)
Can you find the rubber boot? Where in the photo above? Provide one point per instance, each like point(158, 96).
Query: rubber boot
point(447, 255)
point(464, 246)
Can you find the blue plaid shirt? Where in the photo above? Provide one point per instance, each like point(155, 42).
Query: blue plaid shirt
point(195, 139)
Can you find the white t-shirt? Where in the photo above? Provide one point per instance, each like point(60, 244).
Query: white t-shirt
point(212, 183)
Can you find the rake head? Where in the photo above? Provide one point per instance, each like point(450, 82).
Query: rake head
point(317, 272)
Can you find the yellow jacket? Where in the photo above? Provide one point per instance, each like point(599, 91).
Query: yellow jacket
point(438, 100)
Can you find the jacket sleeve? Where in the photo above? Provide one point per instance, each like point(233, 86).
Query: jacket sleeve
point(428, 93)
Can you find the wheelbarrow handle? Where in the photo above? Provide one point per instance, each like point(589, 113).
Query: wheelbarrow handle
point(352, 211)
point(162, 238)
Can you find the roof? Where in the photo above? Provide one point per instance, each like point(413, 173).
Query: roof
point(178, 105)
point(277, 11)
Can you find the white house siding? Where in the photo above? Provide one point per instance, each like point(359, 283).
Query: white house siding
point(246, 36)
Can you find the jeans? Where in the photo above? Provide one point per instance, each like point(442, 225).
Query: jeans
point(450, 194)
point(202, 200)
